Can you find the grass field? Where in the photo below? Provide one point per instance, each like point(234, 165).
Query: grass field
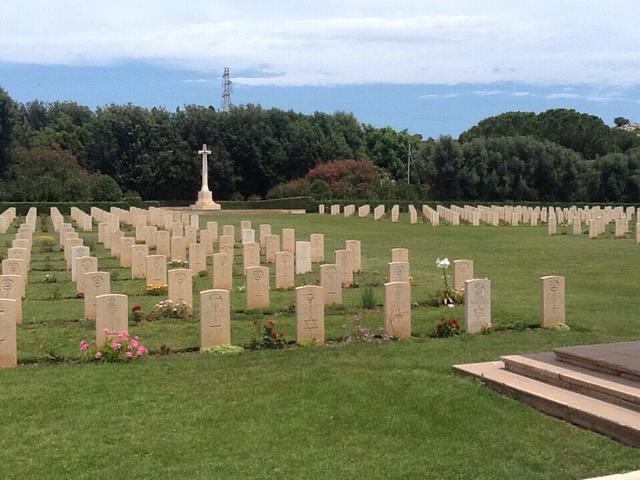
point(393, 410)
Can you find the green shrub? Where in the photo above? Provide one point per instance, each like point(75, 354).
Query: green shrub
point(446, 327)
point(103, 188)
point(368, 298)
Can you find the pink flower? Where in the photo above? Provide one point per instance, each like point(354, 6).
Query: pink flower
point(128, 354)
point(141, 350)
point(98, 355)
point(106, 331)
point(115, 346)
point(84, 345)
point(134, 343)
point(123, 335)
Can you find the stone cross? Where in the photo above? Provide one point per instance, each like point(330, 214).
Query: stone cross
point(205, 167)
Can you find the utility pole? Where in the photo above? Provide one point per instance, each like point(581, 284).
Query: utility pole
point(226, 91)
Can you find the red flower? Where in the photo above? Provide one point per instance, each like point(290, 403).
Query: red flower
point(271, 323)
point(136, 308)
point(274, 335)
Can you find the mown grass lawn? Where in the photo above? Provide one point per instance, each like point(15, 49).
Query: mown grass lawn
point(342, 411)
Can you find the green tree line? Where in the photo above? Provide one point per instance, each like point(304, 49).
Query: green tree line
point(66, 151)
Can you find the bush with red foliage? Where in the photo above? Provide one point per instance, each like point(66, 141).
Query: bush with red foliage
point(354, 171)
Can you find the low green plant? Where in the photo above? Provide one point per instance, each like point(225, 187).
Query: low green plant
point(445, 296)
point(46, 243)
point(177, 264)
point(49, 278)
point(44, 224)
point(55, 293)
point(266, 337)
point(202, 273)
point(157, 289)
point(223, 350)
point(363, 334)
point(136, 314)
point(169, 309)
point(446, 327)
point(368, 298)
point(116, 348)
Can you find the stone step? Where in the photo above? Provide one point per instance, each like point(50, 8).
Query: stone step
point(614, 421)
point(546, 368)
point(620, 476)
point(621, 359)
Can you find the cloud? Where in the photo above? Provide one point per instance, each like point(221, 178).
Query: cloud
point(520, 94)
point(346, 42)
point(562, 95)
point(486, 93)
point(439, 95)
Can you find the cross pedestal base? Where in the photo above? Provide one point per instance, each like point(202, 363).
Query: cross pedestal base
point(205, 202)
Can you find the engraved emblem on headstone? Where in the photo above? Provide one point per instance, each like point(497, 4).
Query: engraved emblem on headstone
point(215, 301)
point(479, 292)
point(7, 284)
point(111, 305)
point(310, 323)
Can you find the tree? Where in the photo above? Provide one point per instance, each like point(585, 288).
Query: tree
point(389, 149)
point(103, 188)
point(621, 121)
point(7, 120)
point(46, 175)
point(586, 134)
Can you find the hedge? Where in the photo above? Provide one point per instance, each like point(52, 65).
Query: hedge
point(291, 203)
point(65, 207)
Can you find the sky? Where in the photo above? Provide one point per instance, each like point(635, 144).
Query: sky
point(431, 67)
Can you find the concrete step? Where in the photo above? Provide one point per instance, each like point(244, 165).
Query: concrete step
point(621, 476)
point(546, 368)
point(620, 359)
point(612, 420)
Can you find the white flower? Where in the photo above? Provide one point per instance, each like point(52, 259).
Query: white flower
point(444, 263)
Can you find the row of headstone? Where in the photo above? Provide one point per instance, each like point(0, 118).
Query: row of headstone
point(6, 219)
point(84, 220)
point(13, 283)
point(296, 259)
point(496, 215)
point(597, 225)
point(477, 303)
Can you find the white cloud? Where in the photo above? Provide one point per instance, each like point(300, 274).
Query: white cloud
point(520, 94)
point(563, 95)
point(439, 95)
point(289, 42)
point(486, 93)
